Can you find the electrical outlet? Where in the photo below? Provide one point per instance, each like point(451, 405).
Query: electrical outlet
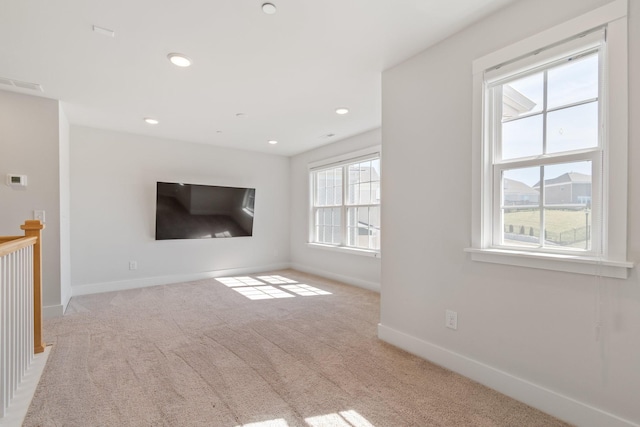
point(133, 265)
point(451, 319)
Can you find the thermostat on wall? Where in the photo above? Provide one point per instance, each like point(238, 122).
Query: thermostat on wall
point(16, 180)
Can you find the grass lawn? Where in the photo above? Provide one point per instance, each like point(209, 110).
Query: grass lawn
point(559, 224)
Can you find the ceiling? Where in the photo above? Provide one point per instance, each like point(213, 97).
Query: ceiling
point(286, 72)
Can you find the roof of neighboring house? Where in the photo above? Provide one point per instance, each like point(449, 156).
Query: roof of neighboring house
point(569, 177)
point(514, 103)
point(511, 186)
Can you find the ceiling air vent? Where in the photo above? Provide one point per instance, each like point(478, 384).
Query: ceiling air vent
point(20, 84)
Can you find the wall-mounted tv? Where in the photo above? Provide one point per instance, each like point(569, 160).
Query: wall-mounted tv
point(190, 211)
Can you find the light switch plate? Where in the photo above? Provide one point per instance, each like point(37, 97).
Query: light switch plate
point(39, 215)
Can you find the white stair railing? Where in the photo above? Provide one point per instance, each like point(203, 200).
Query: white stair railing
point(20, 308)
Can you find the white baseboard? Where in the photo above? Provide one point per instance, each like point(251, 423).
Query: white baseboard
point(51, 311)
point(365, 284)
point(96, 288)
point(19, 405)
point(546, 400)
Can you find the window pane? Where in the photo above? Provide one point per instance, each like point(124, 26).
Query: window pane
point(375, 192)
point(572, 82)
point(522, 137)
point(321, 183)
point(322, 179)
point(374, 228)
point(521, 207)
point(374, 217)
point(375, 170)
point(319, 217)
point(352, 226)
point(365, 193)
point(336, 217)
point(354, 173)
point(364, 227)
point(354, 194)
point(353, 237)
point(523, 96)
point(365, 171)
point(352, 215)
point(521, 227)
point(520, 187)
point(374, 241)
point(336, 235)
point(337, 176)
point(327, 217)
point(573, 128)
point(568, 183)
point(330, 196)
point(338, 196)
point(568, 228)
point(322, 197)
point(337, 187)
point(568, 205)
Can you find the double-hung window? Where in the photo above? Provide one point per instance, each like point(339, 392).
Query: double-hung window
point(550, 148)
point(345, 203)
point(544, 126)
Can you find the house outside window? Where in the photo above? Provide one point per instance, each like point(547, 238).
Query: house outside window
point(345, 203)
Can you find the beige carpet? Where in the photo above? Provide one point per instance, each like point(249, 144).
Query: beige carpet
point(247, 352)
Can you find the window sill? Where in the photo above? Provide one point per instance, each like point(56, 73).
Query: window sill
point(343, 249)
point(555, 262)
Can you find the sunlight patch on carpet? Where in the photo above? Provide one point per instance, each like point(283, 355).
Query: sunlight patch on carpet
point(304, 290)
point(239, 281)
point(270, 287)
point(262, 292)
point(270, 423)
point(341, 419)
point(276, 280)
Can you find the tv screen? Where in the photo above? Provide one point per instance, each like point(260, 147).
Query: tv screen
point(190, 211)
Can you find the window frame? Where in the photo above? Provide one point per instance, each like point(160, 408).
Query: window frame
point(499, 165)
point(343, 162)
point(611, 262)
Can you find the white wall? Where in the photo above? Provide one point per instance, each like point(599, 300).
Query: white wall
point(113, 198)
point(358, 270)
point(29, 145)
point(65, 208)
point(529, 333)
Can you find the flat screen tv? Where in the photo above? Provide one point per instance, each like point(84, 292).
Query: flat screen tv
point(190, 211)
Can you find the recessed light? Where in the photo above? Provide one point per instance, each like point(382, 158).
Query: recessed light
point(269, 8)
point(342, 110)
point(273, 142)
point(179, 59)
point(151, 121)
point(241, 115)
